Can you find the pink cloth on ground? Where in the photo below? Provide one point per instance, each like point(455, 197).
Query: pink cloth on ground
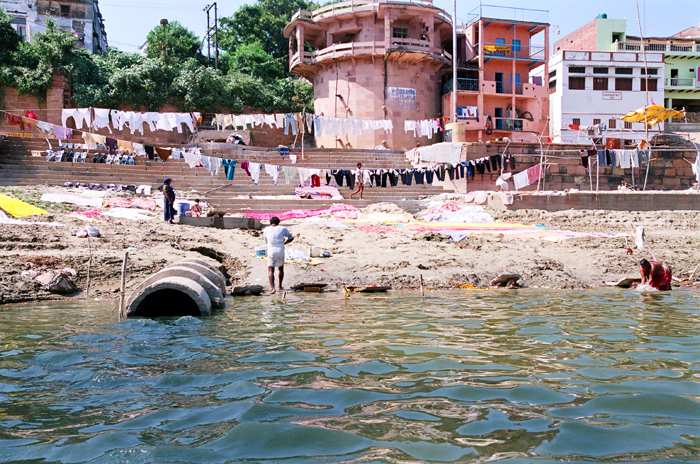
point(375, 229)
point(301, 213)
point(88, 213)
point(141, 203)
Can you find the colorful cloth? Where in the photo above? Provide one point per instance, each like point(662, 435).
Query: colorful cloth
point(18, 208)
point(301, 213)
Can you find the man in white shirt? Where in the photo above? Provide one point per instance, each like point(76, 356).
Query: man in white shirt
point(276, 237)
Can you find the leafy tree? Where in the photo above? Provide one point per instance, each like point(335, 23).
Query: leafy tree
point(174, 42)
point(9, 40)
point(263, 23)
point(199, 88)
point(252, 60)
point(293, 95)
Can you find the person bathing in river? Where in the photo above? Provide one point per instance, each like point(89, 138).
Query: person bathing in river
point(276, 238)
point(655, 274)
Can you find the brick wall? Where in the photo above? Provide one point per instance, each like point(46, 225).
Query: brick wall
point(583, 38)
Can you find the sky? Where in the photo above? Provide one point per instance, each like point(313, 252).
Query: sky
point(129, 21)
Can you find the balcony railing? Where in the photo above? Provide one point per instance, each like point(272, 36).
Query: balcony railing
point(655, 47)
point(359, 6)
point(507, 13)
point(509, 124)
point(679, 82)
point(466, 85)
point(365, 48)
point(517, 52)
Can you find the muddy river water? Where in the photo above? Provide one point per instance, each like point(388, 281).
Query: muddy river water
point(523, 376)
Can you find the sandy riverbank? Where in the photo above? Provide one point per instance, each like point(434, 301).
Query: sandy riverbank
point(393, 257)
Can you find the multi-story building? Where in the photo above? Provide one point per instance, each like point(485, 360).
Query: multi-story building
point(375, 59)
point(681, 53)
point(500, 49)
point(82, 18)
point(596, 88)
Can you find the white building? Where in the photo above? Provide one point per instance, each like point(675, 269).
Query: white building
point(589, 88)
point(82, 18)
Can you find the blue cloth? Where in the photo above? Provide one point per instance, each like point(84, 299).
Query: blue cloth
point(289, 121)
point(168, 202)
point(284, 151)
point(229, 168)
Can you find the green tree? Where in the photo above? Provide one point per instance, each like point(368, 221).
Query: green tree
point(263, 23)
point(174, 42)
point(252, 60)
point(9, 40)
point(200, 88)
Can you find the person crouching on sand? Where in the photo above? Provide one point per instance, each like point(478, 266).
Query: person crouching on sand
point(276, 238)
point(655, 274)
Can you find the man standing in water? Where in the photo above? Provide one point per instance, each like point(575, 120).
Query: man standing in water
point(276, 238)
point(168, 201)
point(655, 274)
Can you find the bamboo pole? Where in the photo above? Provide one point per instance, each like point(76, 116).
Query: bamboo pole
point(422, 289)
point(123, 284)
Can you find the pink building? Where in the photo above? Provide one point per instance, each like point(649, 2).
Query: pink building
point(498, 50)
point(373, 59)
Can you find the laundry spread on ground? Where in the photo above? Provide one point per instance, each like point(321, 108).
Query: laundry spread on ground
point(18, 208)
point(300, 213)
point(72, 199)
point(141, 203)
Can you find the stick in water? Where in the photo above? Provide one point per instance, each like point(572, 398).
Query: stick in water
point(87, 290)
point(422, 290)
point(123, 286)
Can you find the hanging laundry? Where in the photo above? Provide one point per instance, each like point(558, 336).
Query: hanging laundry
point(163, 153)
point(101, 119)
point(289, 121)
point(254, 169)
point(14, 120)
point(273, 171)
point(289, 174)
point(535, 173)
point(304, 175)
point(124, 145)
point(150, 152)
point(293, 159)
point(229, 168)
point(74, 113)
point(62, 133)
point(193, 157)
point(245, 166)
point(521, 180)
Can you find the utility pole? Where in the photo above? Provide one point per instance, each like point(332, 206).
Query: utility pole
point(216, 34)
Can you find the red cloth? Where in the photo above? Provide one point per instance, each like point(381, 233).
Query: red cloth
point(662, 280)
point(15, 120)
point(534, 174)
point(30, 115)
point(573, 127)
point(315, 181)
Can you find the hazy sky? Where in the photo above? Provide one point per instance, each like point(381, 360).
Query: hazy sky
point(128, 21)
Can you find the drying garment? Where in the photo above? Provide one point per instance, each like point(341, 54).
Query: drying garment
point(626, 158)
point(151, 119)
point(289, 121)
point(163, 153)
point(76, 114)
point(238, 121)
point(495, 162)
point(293, 159)
point(273, 171)
point(406, 176)
point(410, 126)
point(315, 180)
point(470, 169)
point(259, 119)
point(62, 132)
point(117, 123)
point(15, 120)
point(111, 144)
point(350, 179)
point(584, 158)
point(136, 122)
point(227, 121)
point(219, 118)
point(346, 127)
point(318, 125)
point(310, 123)
point(284, 151)
point(521, 180)
point(150, 152)
point(186, 119)
point(101, 119)
point(426, 129)
point(480, 169)
point(602, 158)
point(193, 158)
point(534, 174)
point(164, 122)
point(31, 115)
point(44, 127)
point(356, 127)
point(85, 113)
point(245, 166)
point(612, 158)
point(279, 121)
point(636, 159)
point(304, 175)
point(229, 168)
point(211, 164)
point(124, 145)
point(93, 139)
point(421, 174)
point(139, 149)
point(338, 176)
point(270, 120)
point(289, 174)
point(254, 169)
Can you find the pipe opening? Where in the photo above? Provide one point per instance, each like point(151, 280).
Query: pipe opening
point(167, 303)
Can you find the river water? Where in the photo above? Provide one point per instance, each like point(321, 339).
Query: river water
point(525, 376)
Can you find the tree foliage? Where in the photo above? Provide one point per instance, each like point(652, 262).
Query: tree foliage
point(250, 76)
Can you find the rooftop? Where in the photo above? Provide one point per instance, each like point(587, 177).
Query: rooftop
point(509, 14)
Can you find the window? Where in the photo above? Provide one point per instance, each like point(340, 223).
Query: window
point(22, 30)
point(577, 83)
point(652, 85)
point(612, 123)
point(600, 70)
point(596, 122)
point(600, 83)
point(628, 125)
point(624, 71)
point(516, 45)
point(65, 10)
point(553, 74)
point(552, 86)
point(400, 33)
point(651, 71)
point(500, 41)
point(623, 83)
point(577, 69)
point(576, 122)
point(616, 37)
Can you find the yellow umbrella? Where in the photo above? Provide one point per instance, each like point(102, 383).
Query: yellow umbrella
point(655, 114)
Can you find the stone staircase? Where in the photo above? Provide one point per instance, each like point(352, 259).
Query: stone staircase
point(18, 167)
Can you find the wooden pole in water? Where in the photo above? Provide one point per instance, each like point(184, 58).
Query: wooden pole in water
point(87, 290)
point(692, 275)
point(123, 286)
point(422, 290)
